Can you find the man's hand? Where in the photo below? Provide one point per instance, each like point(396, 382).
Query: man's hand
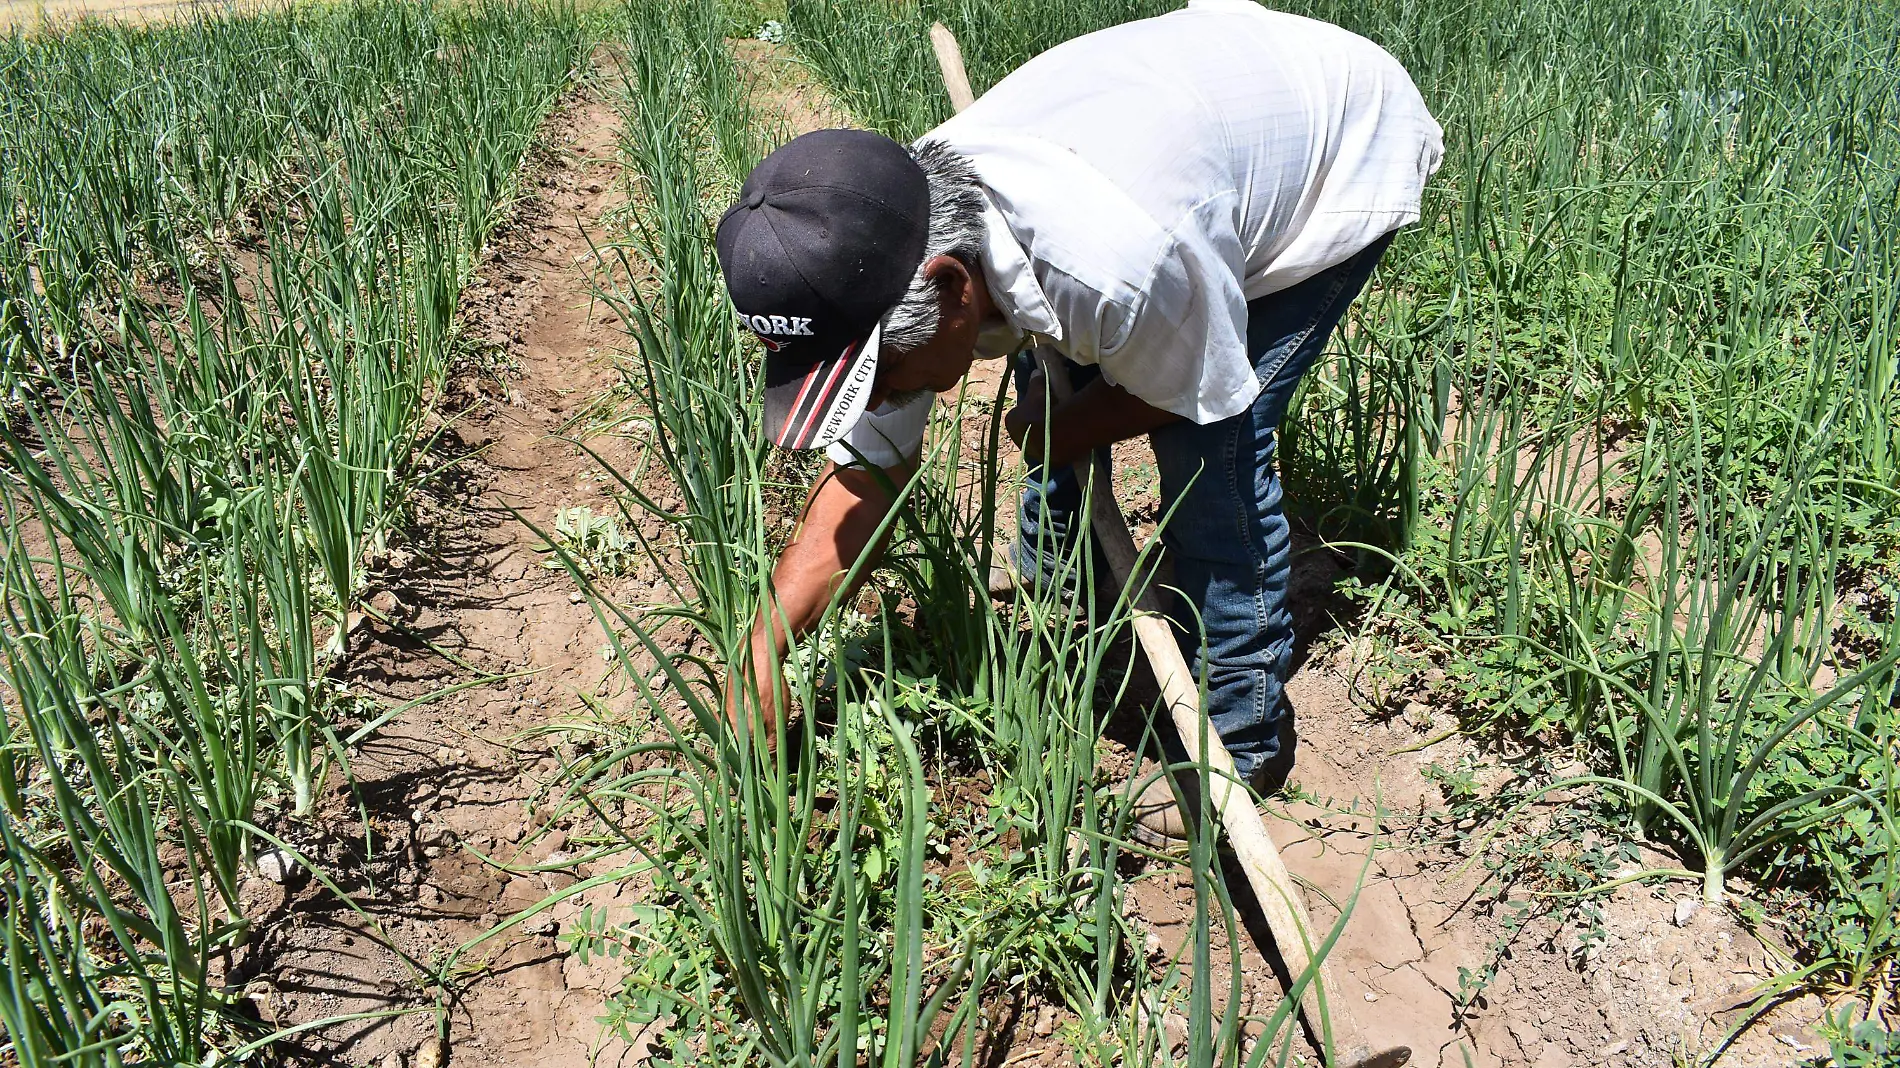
point(765, 652)
point(841, 516)
point(1098, 414)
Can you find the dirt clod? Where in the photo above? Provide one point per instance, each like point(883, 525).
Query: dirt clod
point(276, 865)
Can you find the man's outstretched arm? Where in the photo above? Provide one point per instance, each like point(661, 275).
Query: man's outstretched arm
point(842, 514)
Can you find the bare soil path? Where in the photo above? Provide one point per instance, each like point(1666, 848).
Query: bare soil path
point(469, 775)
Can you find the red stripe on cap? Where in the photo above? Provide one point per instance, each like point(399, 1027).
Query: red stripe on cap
point(804, 432)
point(792, 412)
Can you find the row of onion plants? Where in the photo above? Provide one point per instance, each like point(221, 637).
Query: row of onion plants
point(229, 264)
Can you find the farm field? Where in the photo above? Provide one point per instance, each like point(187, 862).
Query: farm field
point(385, 494)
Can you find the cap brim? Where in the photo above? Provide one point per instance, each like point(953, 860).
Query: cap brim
point(820, 402)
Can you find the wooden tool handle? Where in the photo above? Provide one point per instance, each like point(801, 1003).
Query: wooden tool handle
point(950, 61)
point(1259, 858)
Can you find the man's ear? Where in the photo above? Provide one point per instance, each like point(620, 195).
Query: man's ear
point(952, 279)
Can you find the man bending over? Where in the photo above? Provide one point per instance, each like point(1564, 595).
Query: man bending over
point(1181, 208)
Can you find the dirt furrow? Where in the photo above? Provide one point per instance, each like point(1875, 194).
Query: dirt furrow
point(470, 775)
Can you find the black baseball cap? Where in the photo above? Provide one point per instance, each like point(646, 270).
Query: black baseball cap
point(825, 238)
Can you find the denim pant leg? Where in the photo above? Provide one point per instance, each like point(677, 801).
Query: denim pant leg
point(1049, 516)
point(1228, 535)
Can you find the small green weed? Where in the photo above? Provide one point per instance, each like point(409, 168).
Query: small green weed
point(1857, 1044)
point(594, 541)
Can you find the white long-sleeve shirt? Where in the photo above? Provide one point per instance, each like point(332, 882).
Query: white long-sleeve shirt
point(1146, 181)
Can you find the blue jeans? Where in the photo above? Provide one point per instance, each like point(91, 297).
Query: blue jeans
point(1228, 536)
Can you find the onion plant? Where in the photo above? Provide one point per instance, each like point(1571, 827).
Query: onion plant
point(735, 813)
point(878, 60)
point(88, 815)
point(1651, 316)
point(1707, 708)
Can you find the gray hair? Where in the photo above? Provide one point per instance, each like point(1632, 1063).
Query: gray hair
point(956, 230)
